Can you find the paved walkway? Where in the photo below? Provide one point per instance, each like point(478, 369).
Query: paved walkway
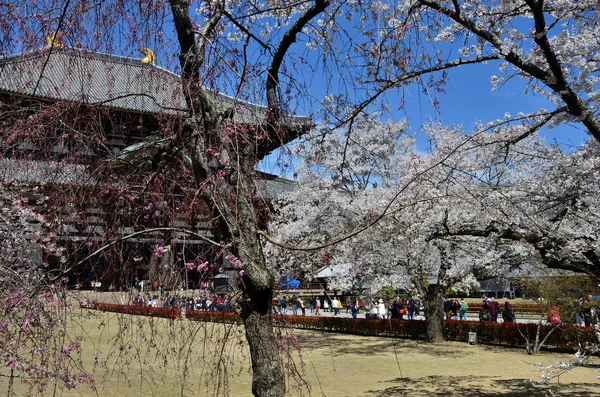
point(361, 314)
point(126, 298)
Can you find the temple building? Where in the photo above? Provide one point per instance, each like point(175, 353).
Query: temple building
point(65, 112)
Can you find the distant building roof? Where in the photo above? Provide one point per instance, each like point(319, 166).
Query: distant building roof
point(76, 75)
point(331, 271)
point(270, 186)
point(69, 74)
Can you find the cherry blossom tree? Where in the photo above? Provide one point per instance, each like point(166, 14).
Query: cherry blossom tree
point(35, 351)
point(472, 207)
point(531, 40)
point(551, 46)
point(201, 159)
point(270, 53)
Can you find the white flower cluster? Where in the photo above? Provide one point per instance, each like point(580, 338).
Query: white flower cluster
point(476, 205)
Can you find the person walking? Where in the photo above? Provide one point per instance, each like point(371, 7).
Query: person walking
point(494, 310)
point(464, 306)
point(454, 309)
point(335, 306)
point(381, 310)
point(447, 307)
point(354, 309)
point(586, 310)
point(301, 305)
point(318, 306)
point(410, 308)
point(374, 310)
point(294, 303)
point(484, 313)
point(508, 314)
point(395, 308)
point(554, 316)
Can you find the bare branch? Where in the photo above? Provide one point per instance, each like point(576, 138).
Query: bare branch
point(136, 234)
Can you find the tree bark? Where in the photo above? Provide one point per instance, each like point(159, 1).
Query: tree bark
point(267, 375)
point(257, 283)
point(226, 179)
point(434, 314)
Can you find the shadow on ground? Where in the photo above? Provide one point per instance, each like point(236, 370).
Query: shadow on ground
point(338, 344)
point(479, 386)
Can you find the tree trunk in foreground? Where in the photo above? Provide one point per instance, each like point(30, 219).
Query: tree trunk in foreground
point(257, 283)
point(434, 314)
point(267, 375)
point(223, 164)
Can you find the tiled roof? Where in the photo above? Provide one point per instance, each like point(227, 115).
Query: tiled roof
point(270, 186)
point(111, 81)
point(69, 74)
point(42, 172)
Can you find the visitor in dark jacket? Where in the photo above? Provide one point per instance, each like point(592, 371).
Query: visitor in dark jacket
point(494, 310)
point(484, 313)
point(508, 314)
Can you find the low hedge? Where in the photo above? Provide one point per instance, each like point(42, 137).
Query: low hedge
point(414, 329)
point(163, 312)
point(213, 317)
point(565, 338)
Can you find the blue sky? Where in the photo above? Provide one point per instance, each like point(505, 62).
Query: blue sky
point(468, 99)
point(468, 96)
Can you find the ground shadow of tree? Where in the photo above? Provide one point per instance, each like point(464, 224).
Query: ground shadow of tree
point(340, 344)
point(479, 386)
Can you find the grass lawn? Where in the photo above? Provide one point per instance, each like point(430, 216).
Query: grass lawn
point(140, 356)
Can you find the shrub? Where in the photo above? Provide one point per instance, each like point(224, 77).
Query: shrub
point(565, 338)
point(213, 317)
point(164, 312)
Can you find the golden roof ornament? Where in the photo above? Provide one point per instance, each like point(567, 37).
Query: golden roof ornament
point(149, 56)
point(53, 40)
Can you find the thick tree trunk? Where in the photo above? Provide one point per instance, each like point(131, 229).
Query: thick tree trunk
point(267, 375)
point(267, 371)
point(257, 284)
point(434, 314)
point(226, 180)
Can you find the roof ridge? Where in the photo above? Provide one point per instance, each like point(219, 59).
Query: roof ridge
point(79, 52)
point(101, 87)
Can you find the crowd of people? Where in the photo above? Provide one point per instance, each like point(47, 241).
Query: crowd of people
point(455, 310)
point(205, 302)
point(586, 309)
point(586, 312)
point(490, 311)
point(395, 309)
point(293, 303)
